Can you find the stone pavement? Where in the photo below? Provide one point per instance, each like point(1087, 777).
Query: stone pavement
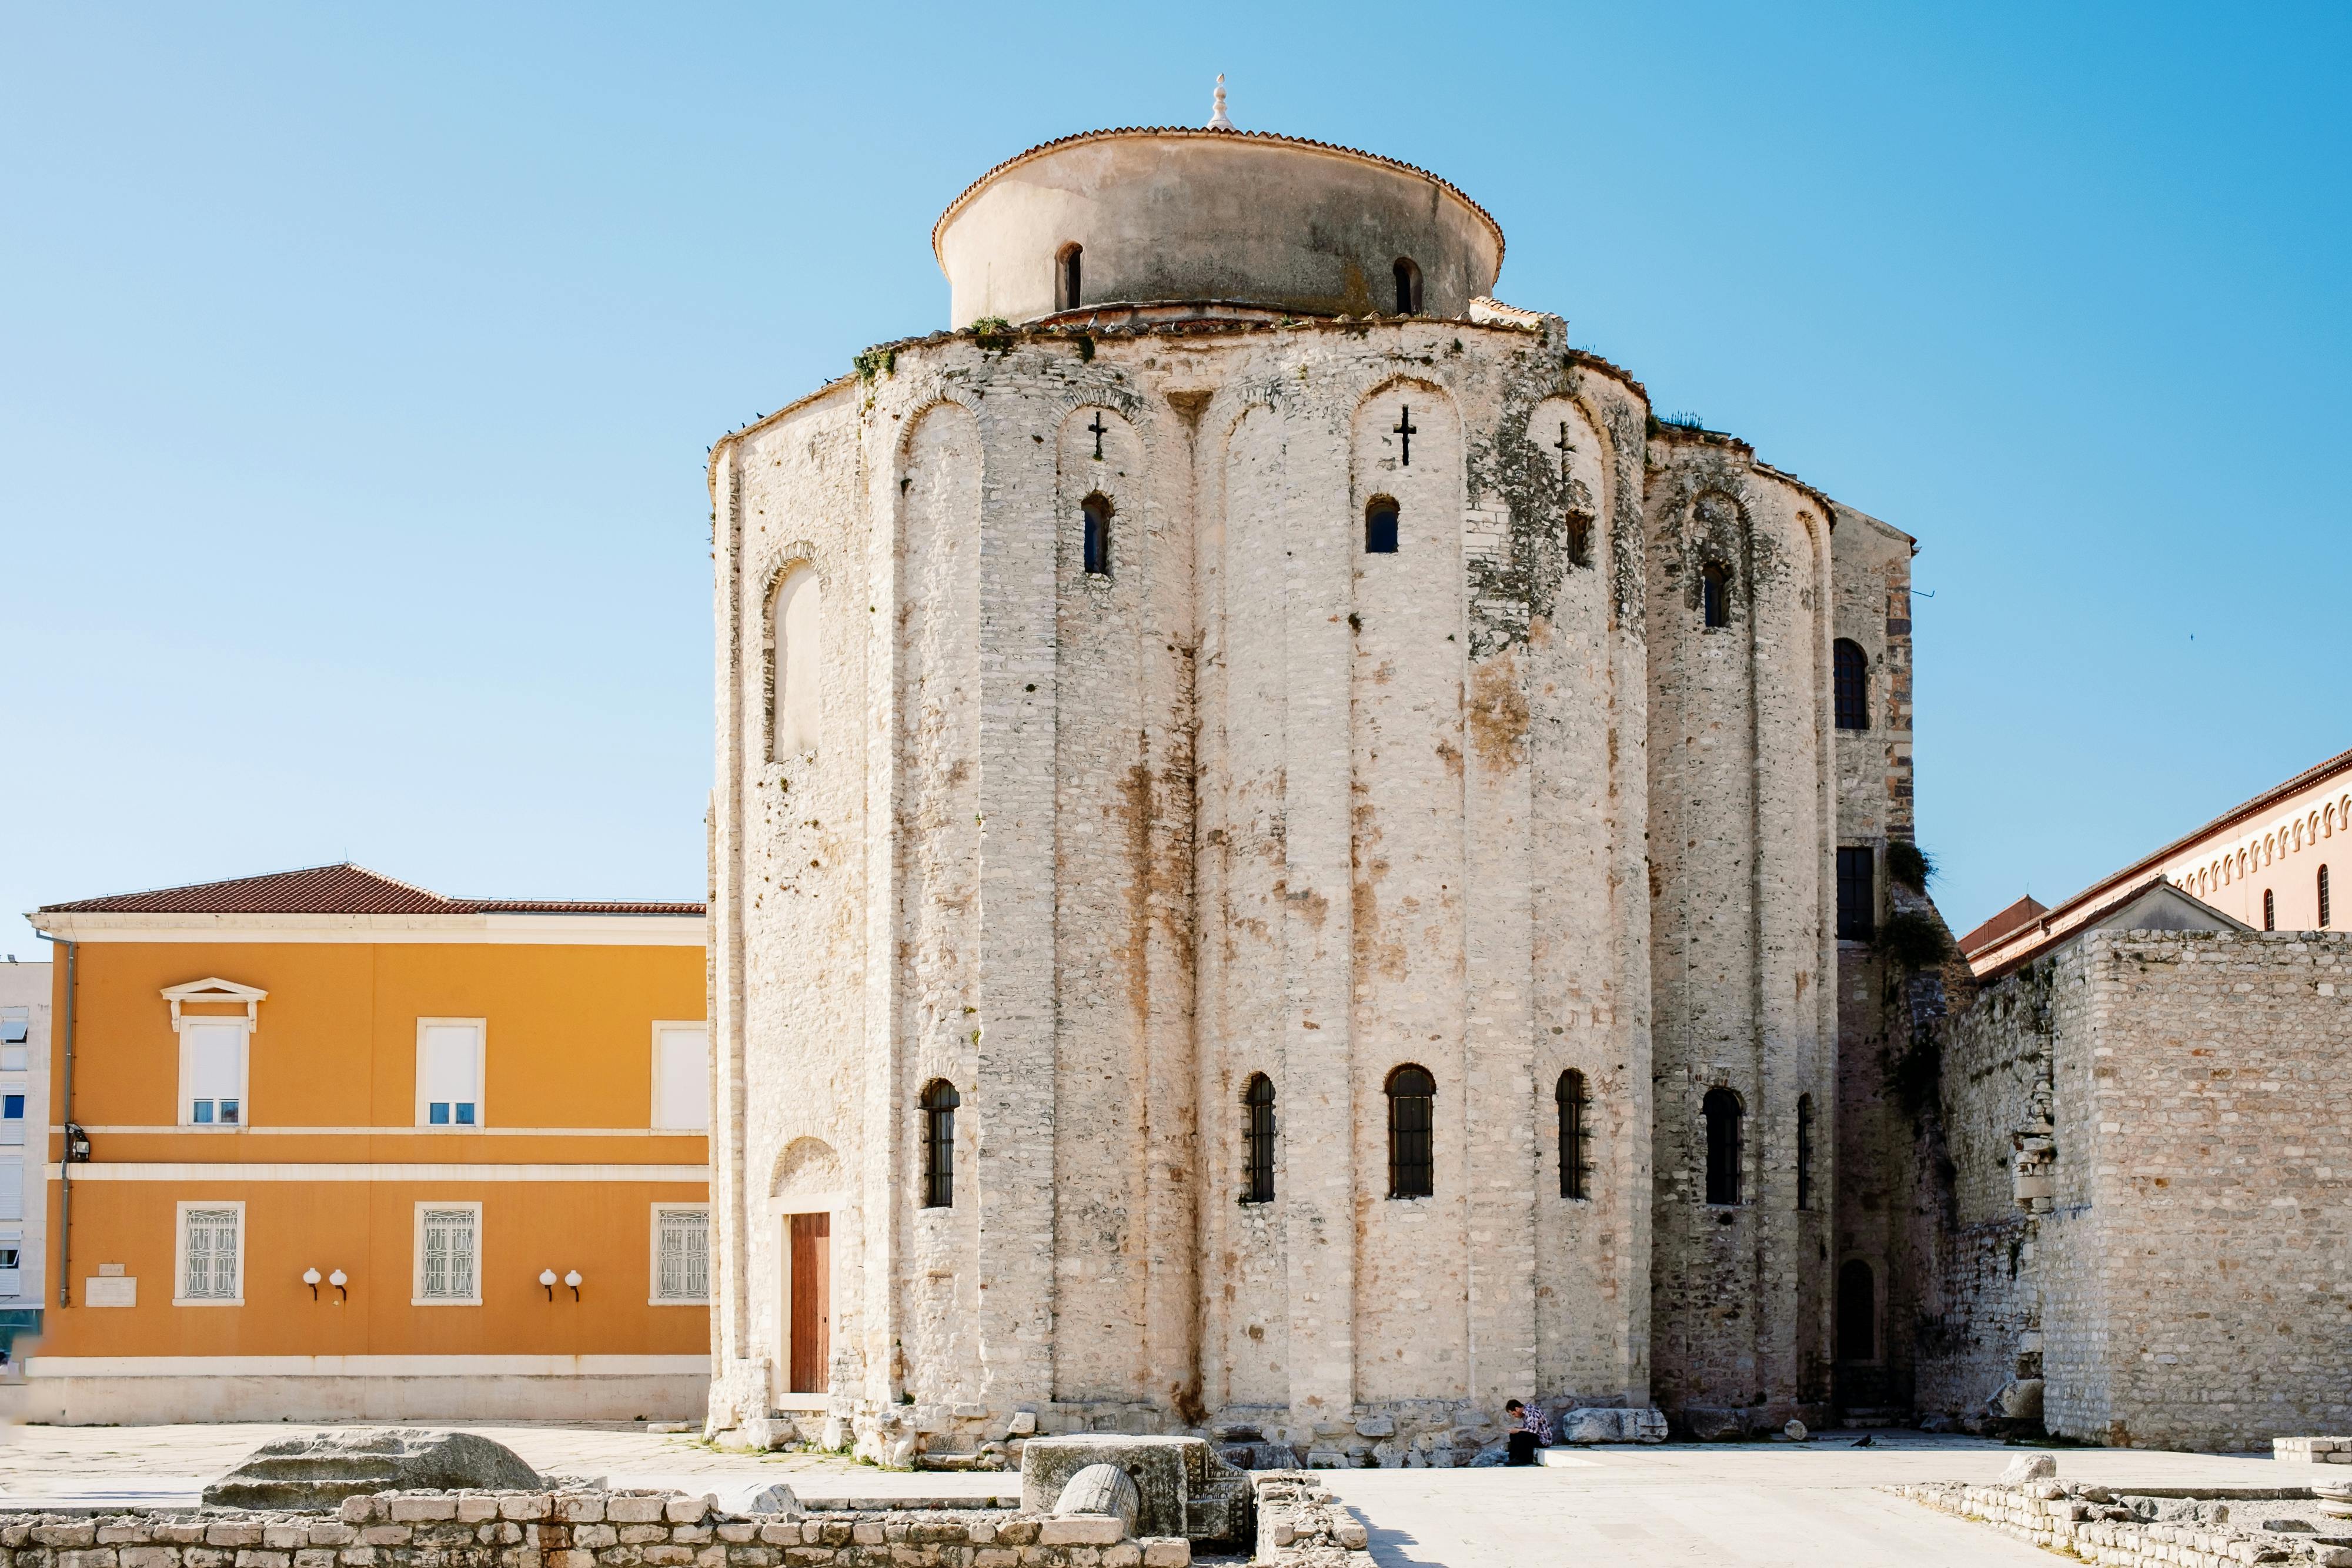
point(1731, 1505)
point(1723, 1505)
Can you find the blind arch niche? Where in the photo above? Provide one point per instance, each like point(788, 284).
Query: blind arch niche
point(793, 704)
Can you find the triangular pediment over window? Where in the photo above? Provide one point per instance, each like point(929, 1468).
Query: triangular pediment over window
point(215, 989)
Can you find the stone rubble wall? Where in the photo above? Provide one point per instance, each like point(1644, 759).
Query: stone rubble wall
point(1300, 1525)
point(2087, 1523)
point(2312, 1450)
point(571, 1529)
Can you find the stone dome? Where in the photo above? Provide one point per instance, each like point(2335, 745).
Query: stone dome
point(1211, 222)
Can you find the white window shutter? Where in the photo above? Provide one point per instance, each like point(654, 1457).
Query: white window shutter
point(449, 1064)
point(684, 1080)
point(216, 1059)
point(12, 1191)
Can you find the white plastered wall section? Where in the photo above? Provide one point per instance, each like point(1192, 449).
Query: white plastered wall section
point(28, 987)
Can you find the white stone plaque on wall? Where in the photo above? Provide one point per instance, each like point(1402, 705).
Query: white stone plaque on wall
point(119, 1290)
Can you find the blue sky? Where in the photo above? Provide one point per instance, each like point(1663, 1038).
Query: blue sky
point(357, 366)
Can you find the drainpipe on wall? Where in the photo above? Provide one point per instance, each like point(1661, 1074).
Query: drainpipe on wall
point(66, 1159)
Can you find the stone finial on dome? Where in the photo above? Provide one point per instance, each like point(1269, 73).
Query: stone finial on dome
point(1217, 120)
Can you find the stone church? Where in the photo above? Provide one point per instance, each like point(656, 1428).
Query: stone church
point(1282, 847)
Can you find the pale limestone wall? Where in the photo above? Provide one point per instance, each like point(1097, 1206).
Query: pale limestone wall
point(1097, 850)
point(2188, 1281)
point(1742, 806)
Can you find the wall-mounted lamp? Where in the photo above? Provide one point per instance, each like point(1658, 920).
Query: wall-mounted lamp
point(339, 1280)
point(311, 1277)
point(572, 1280)
point(547, 1278)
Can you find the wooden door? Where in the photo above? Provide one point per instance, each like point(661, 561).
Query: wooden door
point(812, 1298)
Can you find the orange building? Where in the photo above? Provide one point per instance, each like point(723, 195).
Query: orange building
point(325, 1144)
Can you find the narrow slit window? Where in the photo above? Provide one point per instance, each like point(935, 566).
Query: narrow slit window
point(1857, 894)
point(1380, 527)
point(1715, 594)
point(1722, 1110)
point(1096, 512)
point(1575, 1105)
point(2270, 911)
point(1408, 287)
point(1804, 1151)
point(1850, 668)
point(1065, 277)
point(1857, 1312)
point(1413, 1122)
point(939, 1103)
point(1257, 1170)
point(2326, 913)
point(1580, 535)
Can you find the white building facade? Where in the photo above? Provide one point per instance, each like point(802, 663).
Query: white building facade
point(25, 1008)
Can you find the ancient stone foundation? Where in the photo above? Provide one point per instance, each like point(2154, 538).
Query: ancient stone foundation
point(573, 1529)
point(2164, 1530)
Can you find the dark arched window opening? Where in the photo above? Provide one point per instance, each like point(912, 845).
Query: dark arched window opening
point(1580, 535)
point(1412, 1119)
point(1380, 527)
point(939, 1103)
point(1857, 1312)
point(1098, 548)
point(1714, 593)
point(2324, 913)
point(1258, 1160)
point(1065, 277)
point(1850, 668)
point(1575, 1135)
point(1408, 287)
point(1721, 1108)
point(1804, 1151)
point(2270, 911)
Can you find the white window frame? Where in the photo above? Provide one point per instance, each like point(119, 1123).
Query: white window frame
point(180, 1252)
point(653, 1256)
point(416, 1296)
point(481, 1028)
point(659, 1120)
point(186, 1111)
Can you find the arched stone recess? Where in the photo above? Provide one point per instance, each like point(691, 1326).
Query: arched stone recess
point(809, 1174)
point(795, 647)
point(1122, 931)
point(936, 939)
point(1408, 863)
point(1252, 518)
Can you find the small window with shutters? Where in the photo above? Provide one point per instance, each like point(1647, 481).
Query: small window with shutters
point(213, 1057)
point(681, 1077)
point(681, 1254)
point(450, 1073)
point(211, 1262)
point(448, 1255)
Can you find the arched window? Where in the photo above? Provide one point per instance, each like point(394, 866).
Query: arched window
point(1804, 1151)
point(939, 1103)
point(1096, 508)
point(2324, 913)
point(792, 660)
point(1579, 534)
point(1850, 668)
point(1714, 593)
point(1380, 526)
point(1721, 1108)
point(1258, 1162)
point(1857, 1312)
point(1412, 1119)
point(1408, 287)
point(1065, 277)
point(1575, 1134)
point(2270, 911)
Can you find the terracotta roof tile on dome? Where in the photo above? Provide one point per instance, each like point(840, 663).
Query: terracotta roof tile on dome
point(340, 889)
point(1189, 131)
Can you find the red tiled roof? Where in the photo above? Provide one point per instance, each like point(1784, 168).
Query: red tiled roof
point(2002, 924)
point(340, 889)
